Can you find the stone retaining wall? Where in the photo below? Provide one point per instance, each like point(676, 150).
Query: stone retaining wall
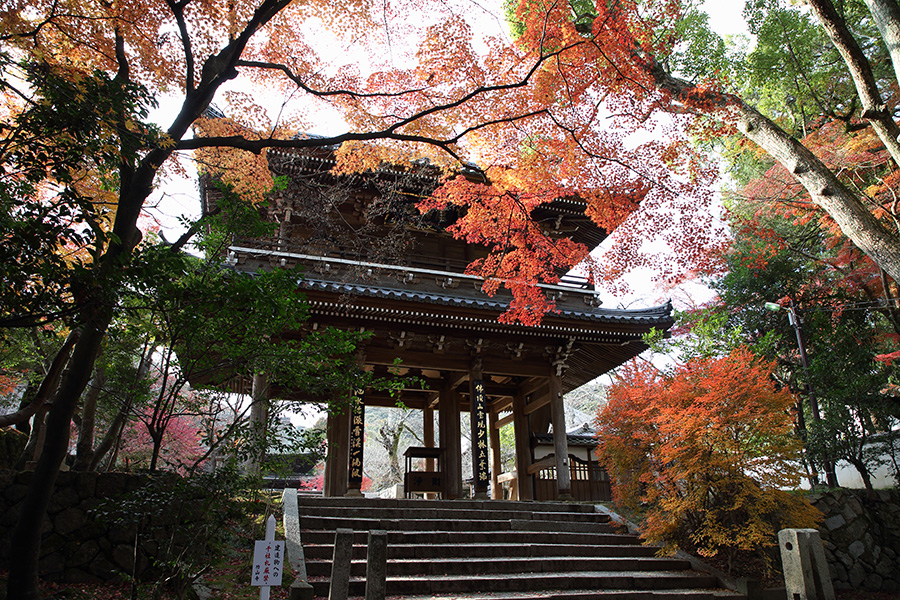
point(861, 535)
point(77, 546)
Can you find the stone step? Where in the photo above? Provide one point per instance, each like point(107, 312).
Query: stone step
point(496, 549)
point(686, 594)
point(423, 512)
point(360, 523)
point(531, 582)
point(483, 549)
point(489, 505)
point(503, 565)
point(519, 537)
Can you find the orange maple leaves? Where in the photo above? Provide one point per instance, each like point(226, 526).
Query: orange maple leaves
point(708, 448)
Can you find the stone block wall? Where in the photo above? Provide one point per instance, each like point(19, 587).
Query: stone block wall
point(861, 535)
point(76, 545)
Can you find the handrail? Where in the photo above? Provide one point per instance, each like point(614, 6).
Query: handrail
point(300, 588)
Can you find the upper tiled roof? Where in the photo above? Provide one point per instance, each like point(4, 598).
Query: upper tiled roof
point(658, 315)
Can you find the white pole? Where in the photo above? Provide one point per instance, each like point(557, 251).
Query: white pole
point(270, 536)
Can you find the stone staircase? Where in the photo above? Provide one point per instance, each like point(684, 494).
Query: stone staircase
point(495, 549)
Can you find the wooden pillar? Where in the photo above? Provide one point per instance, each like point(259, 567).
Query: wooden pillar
point(479, 430)
point(338, 458)
point(560, 443)
point(496, 465)
point(259, 418)
point(448, 415)
point(428, 439)
point(524, 480)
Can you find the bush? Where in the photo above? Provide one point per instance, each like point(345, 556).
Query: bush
point(179, 524)
point(705, 452)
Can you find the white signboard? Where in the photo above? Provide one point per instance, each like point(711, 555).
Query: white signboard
point(268, 559)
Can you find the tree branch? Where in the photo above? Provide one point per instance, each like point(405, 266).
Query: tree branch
point(177, 9)
point(874, 108)
point(48, 385)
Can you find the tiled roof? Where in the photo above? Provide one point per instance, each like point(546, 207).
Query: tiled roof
point(571, 439)
point(658, 315)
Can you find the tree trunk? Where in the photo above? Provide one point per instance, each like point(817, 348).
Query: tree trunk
point(26, 536)
point(874, 109)
point(48, 385)
point(28, 394)
point(35, 439)
point(823, 186)
point(259, 418)
point(84, 449)
point(886, 14)
point(157, 437)
point(864, 473)
point(112, 434)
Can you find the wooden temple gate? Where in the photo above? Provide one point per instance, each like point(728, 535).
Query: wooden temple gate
point(424, 310)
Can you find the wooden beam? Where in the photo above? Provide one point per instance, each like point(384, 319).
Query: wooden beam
point(533, 406)
point(502, 403)
point(416, 360)
point(532, 385)
point(511, 476)
point(429, 360)
point(386, 401)
point(504, 421)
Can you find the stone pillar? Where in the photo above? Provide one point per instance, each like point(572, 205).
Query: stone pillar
point(524, 481)
point(806, 575)
point(376, 565)
point(560, 443)
point(479, 431)
point(448, 414)
point(339, 588)
point(496, 464)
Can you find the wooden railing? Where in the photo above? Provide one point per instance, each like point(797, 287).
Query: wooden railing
point(589, 480)
point(275, 247)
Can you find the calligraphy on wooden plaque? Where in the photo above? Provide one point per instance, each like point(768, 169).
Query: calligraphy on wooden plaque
point(480, 444)
point(357, 428)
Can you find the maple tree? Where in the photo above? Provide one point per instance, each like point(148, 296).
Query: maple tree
point(552, 115)
point(846, 315)
point(634, 46)
point(707, 448)
point(80, 159)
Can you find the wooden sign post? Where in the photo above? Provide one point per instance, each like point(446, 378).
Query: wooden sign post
point(268, 561)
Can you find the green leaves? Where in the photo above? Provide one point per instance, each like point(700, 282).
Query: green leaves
point(703, 55)
point(59, 178)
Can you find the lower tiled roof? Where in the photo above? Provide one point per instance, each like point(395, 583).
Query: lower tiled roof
point(657, 315)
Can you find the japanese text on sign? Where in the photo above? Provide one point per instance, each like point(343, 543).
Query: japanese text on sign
point(481, 441)
point(268, 559)
point(357, 420)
